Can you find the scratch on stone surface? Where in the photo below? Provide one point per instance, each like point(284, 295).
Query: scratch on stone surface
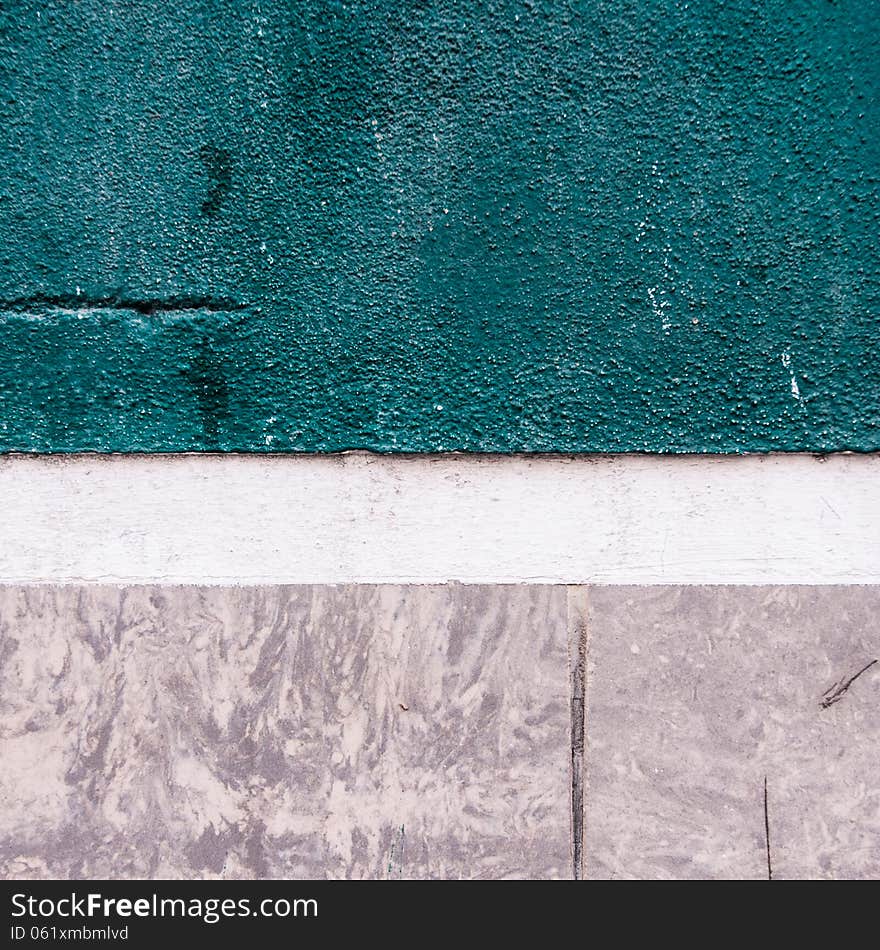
point(831, 507)
point(767, 833)
point(397, 838)
point(837, 690)
point(578, 707)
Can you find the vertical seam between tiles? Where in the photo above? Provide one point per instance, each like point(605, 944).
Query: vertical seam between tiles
point(578, 635)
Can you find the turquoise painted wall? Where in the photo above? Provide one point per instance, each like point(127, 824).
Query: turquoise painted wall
point(508, 226)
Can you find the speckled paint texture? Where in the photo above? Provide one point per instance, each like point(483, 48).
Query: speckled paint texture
point(516, 226)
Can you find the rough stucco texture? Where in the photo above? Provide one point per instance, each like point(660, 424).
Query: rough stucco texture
point(527, 226)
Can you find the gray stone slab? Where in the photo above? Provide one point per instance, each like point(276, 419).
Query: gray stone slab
point(284, 732)
point(695, 695)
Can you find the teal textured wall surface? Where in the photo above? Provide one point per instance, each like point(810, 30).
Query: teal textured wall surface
point(423, 226)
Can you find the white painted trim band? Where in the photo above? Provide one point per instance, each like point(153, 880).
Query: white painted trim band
point(355, 517)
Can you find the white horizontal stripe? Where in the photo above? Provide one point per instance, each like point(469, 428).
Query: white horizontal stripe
point(356, 517)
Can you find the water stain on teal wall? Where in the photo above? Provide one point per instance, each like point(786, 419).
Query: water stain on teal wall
point(420, 226)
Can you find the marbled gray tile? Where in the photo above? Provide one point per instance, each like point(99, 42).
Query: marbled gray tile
point(363, 731)
point(694, 695)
